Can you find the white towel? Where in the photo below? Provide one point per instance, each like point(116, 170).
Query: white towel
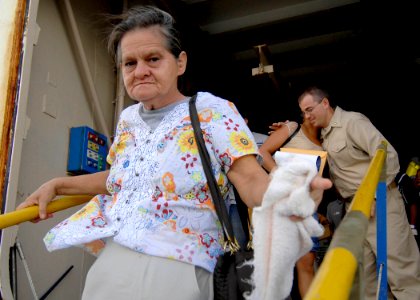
point(278, 241)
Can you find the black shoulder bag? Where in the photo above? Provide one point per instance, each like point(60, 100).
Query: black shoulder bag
point(232, 276)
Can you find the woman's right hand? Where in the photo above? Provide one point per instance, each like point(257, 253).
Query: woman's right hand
point(41, 197)
point(88, 184)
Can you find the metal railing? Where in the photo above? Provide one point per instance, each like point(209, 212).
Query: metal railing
point(30, 213)
point(337, 277)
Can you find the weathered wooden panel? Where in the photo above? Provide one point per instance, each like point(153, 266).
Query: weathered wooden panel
point(12, 21)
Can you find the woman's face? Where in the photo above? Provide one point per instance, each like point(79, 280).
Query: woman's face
point(150, 71)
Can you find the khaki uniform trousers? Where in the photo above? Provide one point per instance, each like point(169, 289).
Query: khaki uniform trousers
point(403, 253)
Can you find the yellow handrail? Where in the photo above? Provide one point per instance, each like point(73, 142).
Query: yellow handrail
point(334, 279)
point(366, 193)
point(30, 213)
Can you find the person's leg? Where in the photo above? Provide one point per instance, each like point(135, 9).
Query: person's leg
point(305, 272)
point(403, 253)
point(369, 281)
point(403, 259)
point(112, 276)
point(121, 273)
point(305, 266)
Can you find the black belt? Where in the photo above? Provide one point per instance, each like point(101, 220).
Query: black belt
point(392, 185)
point(348, 199)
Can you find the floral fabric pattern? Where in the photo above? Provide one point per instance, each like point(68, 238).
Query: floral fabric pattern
point(160, 203)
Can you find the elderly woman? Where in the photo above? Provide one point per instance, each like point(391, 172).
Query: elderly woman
point(161, 229)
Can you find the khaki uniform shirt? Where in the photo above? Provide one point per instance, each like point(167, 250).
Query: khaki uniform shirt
point(301, 141)
point(351, 141)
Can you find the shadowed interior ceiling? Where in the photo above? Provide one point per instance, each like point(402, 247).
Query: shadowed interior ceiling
point(365, 53)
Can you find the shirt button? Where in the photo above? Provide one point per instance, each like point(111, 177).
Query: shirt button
point(141, 158)
point(118, 219)
point(151, 131)
point(137, 174)
point(147, 141)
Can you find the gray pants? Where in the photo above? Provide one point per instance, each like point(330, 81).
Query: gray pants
point(121, 273)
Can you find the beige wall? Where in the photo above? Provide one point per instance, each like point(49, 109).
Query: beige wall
point(58, 101)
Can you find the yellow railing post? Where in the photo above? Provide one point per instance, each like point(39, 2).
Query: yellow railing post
point(335, 277)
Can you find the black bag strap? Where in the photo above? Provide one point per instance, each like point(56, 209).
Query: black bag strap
point(219, 204)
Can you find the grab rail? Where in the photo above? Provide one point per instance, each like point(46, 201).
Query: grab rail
point(30, 213)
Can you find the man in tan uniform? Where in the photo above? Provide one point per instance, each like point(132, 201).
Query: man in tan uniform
point(351, 141)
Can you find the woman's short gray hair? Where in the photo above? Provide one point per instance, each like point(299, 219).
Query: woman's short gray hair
point(144, 17)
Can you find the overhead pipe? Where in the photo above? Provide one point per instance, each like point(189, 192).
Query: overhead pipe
point(120, 95)
point(120, 90)
point(85, 72)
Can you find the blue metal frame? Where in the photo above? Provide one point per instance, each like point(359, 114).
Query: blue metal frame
point(381, 240)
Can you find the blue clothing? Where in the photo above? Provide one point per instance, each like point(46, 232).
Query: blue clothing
point(238, 230)
point(315, 240)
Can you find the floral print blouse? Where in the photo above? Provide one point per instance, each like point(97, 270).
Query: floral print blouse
point(160, 203)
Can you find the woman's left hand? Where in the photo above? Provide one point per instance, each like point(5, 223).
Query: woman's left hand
point(318, 186)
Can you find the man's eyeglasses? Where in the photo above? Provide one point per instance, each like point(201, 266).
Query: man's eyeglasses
point(309, 110)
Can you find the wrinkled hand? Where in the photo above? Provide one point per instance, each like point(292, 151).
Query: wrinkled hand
point(41, 197)
point(276, 126)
